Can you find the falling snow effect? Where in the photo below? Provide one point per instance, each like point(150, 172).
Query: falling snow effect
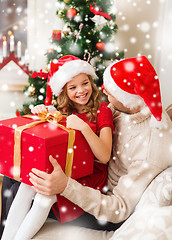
point(7, 193)
point(102, 222)
point(70, 150)
point(31, 149)
point(63, 209)
point(14, 171)
point(139, 220)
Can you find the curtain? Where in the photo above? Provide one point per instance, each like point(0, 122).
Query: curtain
point(163, 51)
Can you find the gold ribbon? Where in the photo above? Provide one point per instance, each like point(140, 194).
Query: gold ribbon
point(53, 117)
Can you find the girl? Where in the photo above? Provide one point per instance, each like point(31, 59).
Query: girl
point(78, 98)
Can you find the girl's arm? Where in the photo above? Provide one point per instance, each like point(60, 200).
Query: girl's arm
point(101, 146)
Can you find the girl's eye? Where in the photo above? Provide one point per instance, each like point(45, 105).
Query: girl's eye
point(85, 83)
point(72, 88)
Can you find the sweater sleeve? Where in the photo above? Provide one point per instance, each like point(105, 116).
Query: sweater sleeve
point(118, 206)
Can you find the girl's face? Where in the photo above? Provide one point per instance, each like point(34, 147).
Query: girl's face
point(79, 90)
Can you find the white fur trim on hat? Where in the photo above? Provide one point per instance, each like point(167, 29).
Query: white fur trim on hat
point(127, 99)
point(67, 72)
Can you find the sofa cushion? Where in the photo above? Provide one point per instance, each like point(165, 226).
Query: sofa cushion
point(52, 230)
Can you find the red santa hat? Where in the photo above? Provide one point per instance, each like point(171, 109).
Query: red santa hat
point(133, 80)
point(65, 69)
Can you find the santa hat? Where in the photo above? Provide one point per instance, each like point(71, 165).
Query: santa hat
point(65, 69)
point(133, 80)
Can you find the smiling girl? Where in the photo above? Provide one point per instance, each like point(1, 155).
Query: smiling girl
point(78, 99)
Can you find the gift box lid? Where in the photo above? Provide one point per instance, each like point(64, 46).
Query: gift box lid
point(45, 131)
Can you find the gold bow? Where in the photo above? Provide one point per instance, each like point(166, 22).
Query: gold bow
point(53, 117)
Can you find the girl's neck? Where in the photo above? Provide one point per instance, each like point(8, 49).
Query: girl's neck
point(79, 108)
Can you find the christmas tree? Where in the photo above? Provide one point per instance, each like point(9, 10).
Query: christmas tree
point(88, 33)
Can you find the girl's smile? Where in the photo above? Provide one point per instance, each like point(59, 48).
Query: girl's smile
point(82, 96)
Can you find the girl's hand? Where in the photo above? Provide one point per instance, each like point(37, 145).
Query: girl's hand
point(75, 122)
point(49, 184)
point(39, 108)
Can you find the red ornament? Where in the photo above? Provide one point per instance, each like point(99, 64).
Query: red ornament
point(56, 35)
point(71, 13)
point(50, 50)
point(18, 113)
point(100, 46)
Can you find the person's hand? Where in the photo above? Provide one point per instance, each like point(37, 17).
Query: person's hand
point(75, 122)
point(39, 108)
point(49, 184)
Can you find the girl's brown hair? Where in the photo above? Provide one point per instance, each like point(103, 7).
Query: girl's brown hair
point(66, 106)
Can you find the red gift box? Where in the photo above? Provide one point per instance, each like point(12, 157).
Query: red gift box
point(37, 143)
